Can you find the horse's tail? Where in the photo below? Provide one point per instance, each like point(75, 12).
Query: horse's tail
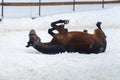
point(99, 25)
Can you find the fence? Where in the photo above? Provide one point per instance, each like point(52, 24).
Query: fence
point(39, 4)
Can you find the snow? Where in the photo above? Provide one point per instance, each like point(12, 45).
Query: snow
point(20, 63)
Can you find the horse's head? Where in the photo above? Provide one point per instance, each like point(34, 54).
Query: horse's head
point(33, 38)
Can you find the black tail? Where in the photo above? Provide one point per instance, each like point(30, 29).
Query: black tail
point(99, 25)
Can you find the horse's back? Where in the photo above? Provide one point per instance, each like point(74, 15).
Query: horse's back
point(80, 36)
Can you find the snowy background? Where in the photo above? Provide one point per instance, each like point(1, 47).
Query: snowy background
point(20, 63)
point(33, 11)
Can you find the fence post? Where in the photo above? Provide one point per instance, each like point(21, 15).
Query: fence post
point(39, 8)
point(2, 10)
point(73, 5)
point(103, 4)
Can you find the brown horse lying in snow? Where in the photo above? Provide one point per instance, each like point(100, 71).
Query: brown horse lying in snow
point(74, 41)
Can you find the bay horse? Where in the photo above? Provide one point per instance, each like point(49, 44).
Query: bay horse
point(74, 41)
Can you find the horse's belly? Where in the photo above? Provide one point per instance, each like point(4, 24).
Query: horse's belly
point(81, 43)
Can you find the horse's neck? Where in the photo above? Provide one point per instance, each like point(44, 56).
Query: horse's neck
point(48, 48)
point(41, 46)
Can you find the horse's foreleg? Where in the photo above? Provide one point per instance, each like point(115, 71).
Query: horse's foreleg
point(53, 24)
point(50, 31)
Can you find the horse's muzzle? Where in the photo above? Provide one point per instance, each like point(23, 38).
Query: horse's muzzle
point(28, 44)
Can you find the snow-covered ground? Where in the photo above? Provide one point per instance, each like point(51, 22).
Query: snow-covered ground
point(20, 63)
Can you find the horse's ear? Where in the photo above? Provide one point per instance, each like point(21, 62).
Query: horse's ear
point(32, 32)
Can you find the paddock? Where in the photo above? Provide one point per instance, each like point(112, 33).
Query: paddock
point(20, 63)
